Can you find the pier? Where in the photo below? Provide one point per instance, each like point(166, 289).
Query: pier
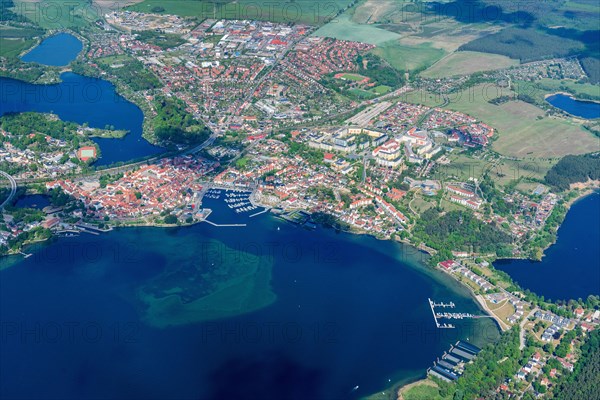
point(223, 225)
point(435, 317)
point(260, 212)
point(449, 315)
point(25, 255)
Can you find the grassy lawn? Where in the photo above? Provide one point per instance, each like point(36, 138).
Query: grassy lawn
point(467, 62)
point(344, 28)
point(301, 11)
point(361, 93)
point(502, 310)
point(381, 89)
point(406, 57)
point(462, 167)
point(353, 77)
point(422, 390)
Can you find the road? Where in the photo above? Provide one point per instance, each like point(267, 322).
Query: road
point(13, 189)
point(522, 328)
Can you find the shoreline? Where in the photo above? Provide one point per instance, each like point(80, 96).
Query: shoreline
point(572, 96)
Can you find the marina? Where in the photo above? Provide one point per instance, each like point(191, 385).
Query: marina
point(452, 363)
point(237, 200)
point(449, 315)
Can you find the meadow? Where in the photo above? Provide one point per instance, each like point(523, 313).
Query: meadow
point(15, 40)
point(13, 47)
point(523, 130)
point(58, 14)
point(344, 28)
point(467, 62)
point(301, 11)
point(408, 58)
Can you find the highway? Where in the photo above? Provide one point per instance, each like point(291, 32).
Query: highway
point(13, 189)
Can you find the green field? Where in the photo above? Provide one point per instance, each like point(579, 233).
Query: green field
point(302, 11)
point(362, 94)
point(14, 40)
point(58, 14)
point(422, 393)
point(411, 58)
point(467, 62)
point(13, 47)
point(550, 86)
point(353, 77)
point(381, 89)
point(344, 28)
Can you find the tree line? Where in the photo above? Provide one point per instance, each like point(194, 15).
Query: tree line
point(573, 169)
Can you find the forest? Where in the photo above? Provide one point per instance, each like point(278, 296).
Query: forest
point(28, 130)
point(572, 169)
point(460, 230)
point(133, 73)
point(591, 66)
point(525, 45)
point(173, 124)
point(379, 71)
point(6, 14)
point(584, 382)
point(486, 373)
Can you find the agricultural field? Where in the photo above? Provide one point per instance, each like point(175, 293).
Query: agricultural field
point(57, 14)
point(409, 58)
point(15, 40)
point(467, 62)
point(302, 11)
point(344, 28)
point(13, 47)
point(523, 130)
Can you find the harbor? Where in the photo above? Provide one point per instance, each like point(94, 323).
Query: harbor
point(436, 316)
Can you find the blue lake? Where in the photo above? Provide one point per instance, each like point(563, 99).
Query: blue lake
point(83, 100)
point(58, 50)
point(578, 108)
point(37, 201)
point(349, 311)
point(570, 268)
point(79, 99)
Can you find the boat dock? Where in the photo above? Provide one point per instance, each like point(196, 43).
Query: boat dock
point(451, 366)
point(435, 317)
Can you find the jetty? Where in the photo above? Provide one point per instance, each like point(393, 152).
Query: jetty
point(436, 316)
point(260, 212)
point(223, 225)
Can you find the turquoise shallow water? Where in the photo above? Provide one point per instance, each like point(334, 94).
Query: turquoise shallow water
point(349, 311)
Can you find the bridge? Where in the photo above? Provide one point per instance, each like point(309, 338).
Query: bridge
point(13, 189)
